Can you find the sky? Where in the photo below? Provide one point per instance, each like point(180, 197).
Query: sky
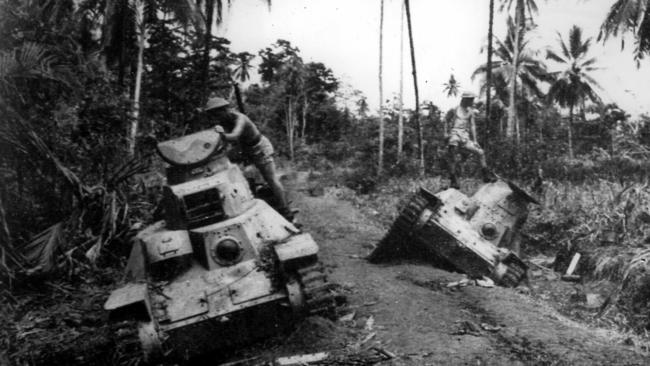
point(448, 37)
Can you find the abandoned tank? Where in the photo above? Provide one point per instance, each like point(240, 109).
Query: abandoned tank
point(222, 268)
point(477, 235)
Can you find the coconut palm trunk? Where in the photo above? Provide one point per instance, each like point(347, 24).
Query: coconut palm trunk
point(415, 87)
point(512, 108)
point(209, 12)
point(305, 106)
point(141, 35)
point(290, 125)
point(380, 167)
point(488, 76)
point(400, 120)
point(570, 131)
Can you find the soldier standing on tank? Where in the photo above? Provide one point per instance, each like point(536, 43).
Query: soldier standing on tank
point(460, 139)
point(237, 127)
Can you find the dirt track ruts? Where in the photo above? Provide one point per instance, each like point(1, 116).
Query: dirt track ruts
point(423, 322)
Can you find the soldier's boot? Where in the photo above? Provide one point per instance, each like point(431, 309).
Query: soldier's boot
point(453, 180)
point(289, 214)
point(452, 165)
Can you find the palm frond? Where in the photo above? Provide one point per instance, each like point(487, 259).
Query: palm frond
point(550, 54)
point(589, 62)
point(575, 41)
point(40, 251)
point(565, 50)
point(629, 16)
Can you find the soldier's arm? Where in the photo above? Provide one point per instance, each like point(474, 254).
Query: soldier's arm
point(238, 129)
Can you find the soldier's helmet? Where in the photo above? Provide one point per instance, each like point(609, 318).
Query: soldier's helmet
point(467, 95)
point(215, 103)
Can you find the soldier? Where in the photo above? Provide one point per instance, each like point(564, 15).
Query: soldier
point(464, 124)
point(238, 127)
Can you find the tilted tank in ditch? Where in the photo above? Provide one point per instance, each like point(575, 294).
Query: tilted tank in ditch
point(223, 267)
point(478, 235)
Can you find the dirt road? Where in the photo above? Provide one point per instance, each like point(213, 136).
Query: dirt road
point(407, 309)
point(404, 310)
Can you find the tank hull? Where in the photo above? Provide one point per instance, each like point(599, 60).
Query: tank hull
point(222, 269)
point(475, 234)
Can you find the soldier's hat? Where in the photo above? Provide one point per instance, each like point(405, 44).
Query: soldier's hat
point(214, 103)
point(468, 95)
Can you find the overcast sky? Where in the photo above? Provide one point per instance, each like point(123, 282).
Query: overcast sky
point(448, 37)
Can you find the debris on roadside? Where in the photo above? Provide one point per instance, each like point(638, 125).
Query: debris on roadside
point(480, 282)
point(301, 359)
point(571, 278)
point(347, 317)
point(594, 301)
point(467, 327)
point(461, 283)
point(485, 282)
point(490, 328)
point(573, 264)
point(369, 323)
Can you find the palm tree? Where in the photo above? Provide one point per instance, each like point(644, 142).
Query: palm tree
point(629, 16)
point(488, 76)
point(415, 87)
point(521, 7)
point(381, 89)
point(117, 14)
point(209, 15)
point(141, 33)
point(241, 74)
point(530, 73)
point(243, 66)
point(574, 84)
point(400, 119)
point(451, 87)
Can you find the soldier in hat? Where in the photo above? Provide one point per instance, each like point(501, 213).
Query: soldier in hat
point(460, 139)
point(238, 127)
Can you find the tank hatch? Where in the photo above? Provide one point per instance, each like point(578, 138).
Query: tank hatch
point(191, 149)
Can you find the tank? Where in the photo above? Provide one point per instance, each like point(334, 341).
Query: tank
point(222, 268)
point(477, 235)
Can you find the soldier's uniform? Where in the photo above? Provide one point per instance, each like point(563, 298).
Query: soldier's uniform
point(459, 138)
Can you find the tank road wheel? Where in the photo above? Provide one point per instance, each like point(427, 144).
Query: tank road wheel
point(295, 294)
point(393, 243)
point(319, 297)
point(128, 348)
point(150, 341)
point(514, 274)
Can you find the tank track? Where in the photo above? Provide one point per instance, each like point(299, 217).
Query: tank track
point(515, 274)
point(401, 228)
point(128, 350)
point(320, 298)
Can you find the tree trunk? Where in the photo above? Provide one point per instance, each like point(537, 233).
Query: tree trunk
point(570, 132)
point(512, 108)
point(305, 105)
point(141, 34)
point(238, 97)
point(488, 76)
point(290, 126)
point(380, 166)
point(209, 12)
point(415, 86)
point(400, 120)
